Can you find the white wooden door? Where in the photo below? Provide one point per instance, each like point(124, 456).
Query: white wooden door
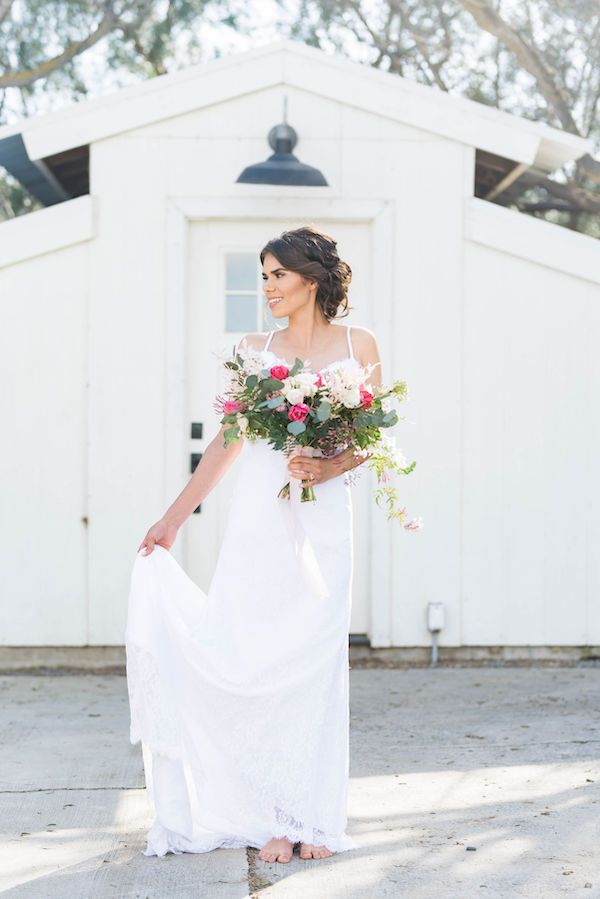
point(225, 301)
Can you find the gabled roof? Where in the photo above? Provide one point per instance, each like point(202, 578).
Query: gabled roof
point(296, 64)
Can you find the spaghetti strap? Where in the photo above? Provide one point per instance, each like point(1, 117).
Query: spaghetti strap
point(350, 350)
point(266, 346)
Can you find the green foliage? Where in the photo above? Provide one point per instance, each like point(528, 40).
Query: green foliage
point(323, 410)
point(46, 46)
point(14, 199)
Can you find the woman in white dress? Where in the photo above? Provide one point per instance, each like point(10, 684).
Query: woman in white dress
point(239, 696)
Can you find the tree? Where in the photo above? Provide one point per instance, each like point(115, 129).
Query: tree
point(140, 34)
point(42, 43)
point(535, 58)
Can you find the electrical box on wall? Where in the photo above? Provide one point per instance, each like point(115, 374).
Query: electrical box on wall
point(435, 616)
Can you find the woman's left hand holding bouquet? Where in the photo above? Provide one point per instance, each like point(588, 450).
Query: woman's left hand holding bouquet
point(302, 467)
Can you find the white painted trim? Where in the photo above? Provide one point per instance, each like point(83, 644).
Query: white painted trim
point(380, 549)
point(180, 213)
point(175, 442)
point(46, 230)
point(533, 239)
point(333, 76)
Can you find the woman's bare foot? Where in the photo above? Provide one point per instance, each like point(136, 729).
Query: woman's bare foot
point(277, 849)
point(307, 850)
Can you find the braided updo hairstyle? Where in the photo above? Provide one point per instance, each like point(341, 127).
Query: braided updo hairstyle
point(313, 254)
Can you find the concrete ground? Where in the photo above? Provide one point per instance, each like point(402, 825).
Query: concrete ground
point(465, 782)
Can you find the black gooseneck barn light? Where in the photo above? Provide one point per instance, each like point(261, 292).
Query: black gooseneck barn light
point(282, 167)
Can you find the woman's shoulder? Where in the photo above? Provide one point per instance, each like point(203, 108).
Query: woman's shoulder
point(358, 329)
point(362, 338)
point(364, 345)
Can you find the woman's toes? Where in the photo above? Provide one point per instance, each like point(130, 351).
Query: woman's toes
point(308, 851)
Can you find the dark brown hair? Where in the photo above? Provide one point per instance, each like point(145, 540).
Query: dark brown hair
point(313, 254)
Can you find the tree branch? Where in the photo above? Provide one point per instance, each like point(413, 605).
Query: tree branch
point(576, 199)
point(22, 79)
point(5, 7)
point(489, 20)
point(589, 168)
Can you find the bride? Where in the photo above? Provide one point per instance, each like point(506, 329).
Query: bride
point(239, 696)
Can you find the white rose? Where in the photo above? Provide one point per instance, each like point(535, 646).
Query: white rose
point(296, 388)
point(351, 398)
point(242, 422)
point(306, 380)
point(295, 395)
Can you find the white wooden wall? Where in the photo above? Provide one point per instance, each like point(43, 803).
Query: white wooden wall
point(495, 337)
point(43, 416)
point(531, 523)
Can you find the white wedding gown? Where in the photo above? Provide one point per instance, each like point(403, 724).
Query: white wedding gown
point(239, 696)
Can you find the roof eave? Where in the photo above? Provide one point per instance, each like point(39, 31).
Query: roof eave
point(346, 81)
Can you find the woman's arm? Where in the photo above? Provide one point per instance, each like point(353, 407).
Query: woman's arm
point(215, 461)
point(213, 465)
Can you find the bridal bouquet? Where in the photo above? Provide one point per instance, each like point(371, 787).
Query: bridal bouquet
point(294, 408)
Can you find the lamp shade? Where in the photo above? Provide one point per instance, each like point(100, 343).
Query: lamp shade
point(282, 167)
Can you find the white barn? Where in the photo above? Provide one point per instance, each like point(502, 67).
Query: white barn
point(118, 297)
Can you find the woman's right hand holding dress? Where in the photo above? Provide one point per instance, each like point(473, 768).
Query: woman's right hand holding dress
point(163, 532)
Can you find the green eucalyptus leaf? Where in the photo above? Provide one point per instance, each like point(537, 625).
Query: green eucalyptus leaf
point(231, 434)
point(323, 411)
point(362, 420)
point(296, 427)
point(296, 367)
point(270, 384)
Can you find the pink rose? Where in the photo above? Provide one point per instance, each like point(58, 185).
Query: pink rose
point(279, 372)
point(233, 406)
point(366, 398)
point(298, 412)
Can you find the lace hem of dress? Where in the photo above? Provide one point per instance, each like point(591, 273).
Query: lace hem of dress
point(153, 721)
point(160, 841)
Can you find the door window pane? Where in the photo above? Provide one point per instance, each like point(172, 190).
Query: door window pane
point(241, 292)
point(241, 271)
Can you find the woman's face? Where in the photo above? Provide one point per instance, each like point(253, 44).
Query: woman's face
point(286, 291)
